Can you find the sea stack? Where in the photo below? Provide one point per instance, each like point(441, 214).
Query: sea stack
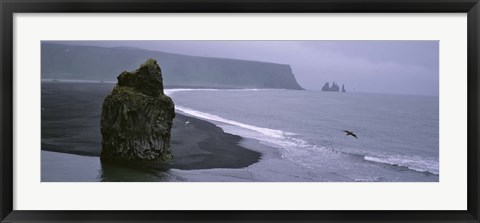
point(137, 117)
point(334, 87)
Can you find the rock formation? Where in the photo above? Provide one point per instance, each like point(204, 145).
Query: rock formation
point(137, 117)
point(334, 87)
point(326, 87)
point(343, 88)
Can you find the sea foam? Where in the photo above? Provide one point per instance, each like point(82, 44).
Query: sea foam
point(419, 164)
point(295, 147)
point(269, 132)
point(274, 136)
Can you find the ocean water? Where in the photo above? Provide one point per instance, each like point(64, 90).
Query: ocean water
point(300, 135)
point(397, 134)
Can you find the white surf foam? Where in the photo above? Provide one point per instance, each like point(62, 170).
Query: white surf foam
point(171, 91)
point(300, 148)
point(297, 149)
point(269, 132)
point(414, 163)
point(274, 136)
point(266, 131)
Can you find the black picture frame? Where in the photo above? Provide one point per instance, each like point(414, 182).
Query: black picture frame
point(9, 7)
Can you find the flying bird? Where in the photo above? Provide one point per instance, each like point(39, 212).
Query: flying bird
point(349, 133)
point(186, 123)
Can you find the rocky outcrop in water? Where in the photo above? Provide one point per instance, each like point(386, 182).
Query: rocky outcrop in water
point(334, 87)
point(137, 117)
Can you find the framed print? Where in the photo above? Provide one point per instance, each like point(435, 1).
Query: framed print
point(239, 111)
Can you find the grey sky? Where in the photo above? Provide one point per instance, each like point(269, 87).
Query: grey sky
point(399, 67)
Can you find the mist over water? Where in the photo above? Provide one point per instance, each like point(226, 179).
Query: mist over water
point(300, 134)
point(400, 67)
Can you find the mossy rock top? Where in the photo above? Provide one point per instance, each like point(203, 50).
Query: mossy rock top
point(137, 118)
point(147, 79)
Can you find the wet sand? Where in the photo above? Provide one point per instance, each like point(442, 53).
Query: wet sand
point(71, 124)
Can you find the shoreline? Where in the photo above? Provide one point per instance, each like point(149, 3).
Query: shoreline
point(203, 151)
point(71, 124)
point(166, 86)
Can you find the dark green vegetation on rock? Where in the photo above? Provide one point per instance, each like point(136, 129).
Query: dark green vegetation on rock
point(102, 63)
point(137, 117)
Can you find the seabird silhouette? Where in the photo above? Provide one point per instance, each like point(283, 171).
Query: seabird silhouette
point(349, 133)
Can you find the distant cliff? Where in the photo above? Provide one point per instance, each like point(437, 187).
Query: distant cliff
point(60, 61)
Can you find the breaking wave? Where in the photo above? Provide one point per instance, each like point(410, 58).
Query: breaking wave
point(295, 146)
point(419, 164)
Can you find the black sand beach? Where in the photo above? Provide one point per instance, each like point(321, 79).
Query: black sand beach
point(71, 124)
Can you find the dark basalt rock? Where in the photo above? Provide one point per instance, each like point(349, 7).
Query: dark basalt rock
point(137, 117)
point(334, 87)
point(326, 87)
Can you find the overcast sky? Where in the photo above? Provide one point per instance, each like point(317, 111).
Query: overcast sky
point(398, 67)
